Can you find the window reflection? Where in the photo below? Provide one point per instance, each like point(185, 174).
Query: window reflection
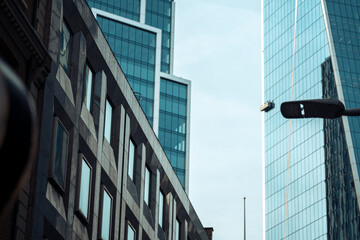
point(130, 232)
point(61, 152)
point(88, 81)
point(108, 120)
point(106, 215)
point(161, 209)
point(131, 160)
point(84, 187)
point(147, 186)
point(65, 47)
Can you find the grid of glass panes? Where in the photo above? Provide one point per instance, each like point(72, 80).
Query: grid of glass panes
point(158, 14)
point(135, 51)
point(306, 209)
point(172, 124)
point(345, 22)
point(125, 8)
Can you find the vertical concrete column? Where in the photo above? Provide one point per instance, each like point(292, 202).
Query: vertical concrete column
point(55, 30)
point(142, 151)
point(142, 11)
point(77, 66)
point(126, 133)
point(185, 229)
point(97, 195)
point(157, 199)
point(174, 219)
point(98, 105)
point(120, 172)
point(170, 215)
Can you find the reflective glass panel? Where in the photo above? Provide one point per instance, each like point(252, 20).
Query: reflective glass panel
point(65, 47)
point(88, 87)
point(84, 188)
point(106, 216)
point(108, 119)
point(131, 163)
point(61, 148)
point(130, 233)
point(161, 209)
point(147, 186)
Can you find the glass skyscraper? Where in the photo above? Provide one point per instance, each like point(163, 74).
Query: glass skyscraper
point(311, 177)
point(140, 33)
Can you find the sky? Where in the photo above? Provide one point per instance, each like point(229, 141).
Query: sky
point(218, 48)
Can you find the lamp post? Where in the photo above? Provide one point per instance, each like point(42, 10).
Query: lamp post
point(244, 219)
point(317, 108)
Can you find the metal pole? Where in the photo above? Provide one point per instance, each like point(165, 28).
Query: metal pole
point(244, 219)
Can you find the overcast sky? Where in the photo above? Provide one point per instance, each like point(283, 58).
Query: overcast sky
point(218, 48)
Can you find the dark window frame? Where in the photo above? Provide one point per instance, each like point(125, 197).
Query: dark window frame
point(127, 230)
point(134, 160)
point(51, 175)
point(147, 201)
point(82, 158)
point(162, 196)
point(107, 99)
point(85, 88)
point(103, 190)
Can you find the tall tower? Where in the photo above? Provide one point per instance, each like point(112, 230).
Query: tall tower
point(311, 166)
point(141, 35)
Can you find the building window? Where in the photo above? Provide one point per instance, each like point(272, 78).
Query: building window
point(147, 186)
point(131, 162)
point(105, 215)
point(161, 209)
point(84, 188)
point(88, 81)
point(108, 119)
point(131, 234)
point(60, 154)
point(177, 230)
point(65, 43)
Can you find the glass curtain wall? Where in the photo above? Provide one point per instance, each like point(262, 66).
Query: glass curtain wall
point(306, 204)
point(172, 124)
point(134, 49)
point(158, 14)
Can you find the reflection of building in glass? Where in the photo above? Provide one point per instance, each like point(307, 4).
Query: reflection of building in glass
point(319, 199)
point(343, 210)
point(141, 35)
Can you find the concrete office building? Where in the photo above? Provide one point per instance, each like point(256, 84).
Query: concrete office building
point(141, 35)
point(311, 166)
point(100, 170)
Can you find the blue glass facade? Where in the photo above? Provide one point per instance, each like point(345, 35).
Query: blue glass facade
point(342, 208)
point(158, 14)
point(142, 56)
point(172, 124)
point(134, 49)
point(322, 196)
point(306, 204)
point(344, 18)
point(125, 8)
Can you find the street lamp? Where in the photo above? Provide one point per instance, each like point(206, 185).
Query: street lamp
point(317, 108)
